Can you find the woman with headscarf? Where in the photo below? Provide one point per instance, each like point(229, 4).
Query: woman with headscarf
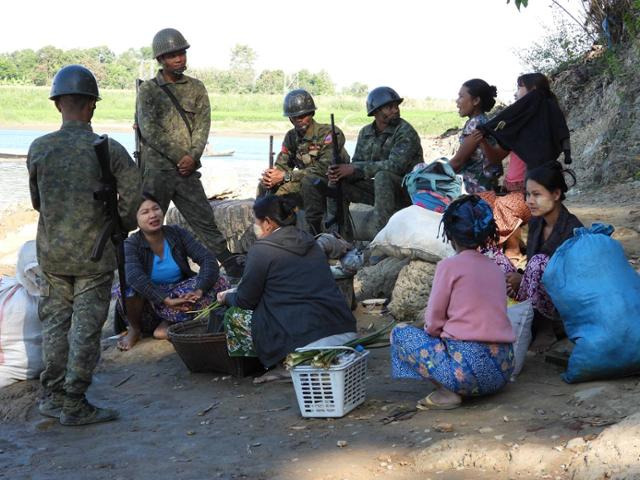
point(466, 346)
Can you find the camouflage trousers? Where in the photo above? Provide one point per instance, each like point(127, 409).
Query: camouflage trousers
point(309, 193)
point(384, 192)
point(72, 316)
point(189, 198)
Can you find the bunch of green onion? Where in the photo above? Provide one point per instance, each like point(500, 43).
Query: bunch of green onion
point(325, 358)
point(204, 312)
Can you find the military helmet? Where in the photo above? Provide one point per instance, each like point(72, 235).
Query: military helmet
point(298, 102)
point(379, 97)
point(74, 80)
point(168, 40)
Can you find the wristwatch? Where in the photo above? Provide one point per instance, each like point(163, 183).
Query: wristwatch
point(288, 176)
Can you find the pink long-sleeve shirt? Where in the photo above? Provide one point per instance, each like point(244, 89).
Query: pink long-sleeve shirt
point(468, 300)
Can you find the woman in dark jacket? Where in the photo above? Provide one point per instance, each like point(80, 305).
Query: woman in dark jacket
point(550, 226)
point(162, 286)
point(288, 285)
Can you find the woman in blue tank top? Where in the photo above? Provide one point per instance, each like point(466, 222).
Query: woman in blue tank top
point(162, 286)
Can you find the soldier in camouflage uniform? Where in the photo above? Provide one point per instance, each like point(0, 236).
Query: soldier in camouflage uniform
point(301, 166)
point(174, 117)
point(63, 174)
point(387, 149)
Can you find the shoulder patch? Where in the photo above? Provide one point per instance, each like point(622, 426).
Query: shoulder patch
point(328, 139)
point(285, 150)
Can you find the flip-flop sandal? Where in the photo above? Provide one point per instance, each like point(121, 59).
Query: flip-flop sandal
point(272, 378)
point(427, 404)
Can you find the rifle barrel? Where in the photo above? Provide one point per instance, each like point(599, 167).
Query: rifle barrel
point(270, 151)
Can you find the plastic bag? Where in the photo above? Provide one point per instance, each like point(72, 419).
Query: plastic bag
point(597, 294)
point(20, 333)
point(521, 316)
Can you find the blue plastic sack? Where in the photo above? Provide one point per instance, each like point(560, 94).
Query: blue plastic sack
point(597, 294)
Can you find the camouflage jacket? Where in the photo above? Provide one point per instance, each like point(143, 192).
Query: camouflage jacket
point(311, 153)
point(396, 149)
point(165, 136)
point(63, 174)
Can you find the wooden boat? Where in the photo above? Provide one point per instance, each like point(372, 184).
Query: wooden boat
point(222, 153)
point(7, 155)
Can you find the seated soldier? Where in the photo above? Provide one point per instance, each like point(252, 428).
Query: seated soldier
point(387, 149)
point(303, 161)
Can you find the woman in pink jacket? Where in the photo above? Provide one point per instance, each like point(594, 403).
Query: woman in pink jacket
point(466, 346)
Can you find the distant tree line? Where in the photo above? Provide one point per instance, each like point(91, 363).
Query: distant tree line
point(37, 67)
point(29, 67)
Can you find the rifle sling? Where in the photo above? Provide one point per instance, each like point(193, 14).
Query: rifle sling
point(176, 104)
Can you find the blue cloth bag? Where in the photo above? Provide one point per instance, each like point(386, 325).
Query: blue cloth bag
point(437, 176)
point(597, 294)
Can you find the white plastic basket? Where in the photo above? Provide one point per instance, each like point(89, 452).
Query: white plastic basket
point(331, 392)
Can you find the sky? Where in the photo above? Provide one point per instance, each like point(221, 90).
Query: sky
point(422, 48)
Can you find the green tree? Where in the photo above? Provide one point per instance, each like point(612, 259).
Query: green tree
point(242, 69)
point(315, 83)
point(243, 57)
point(119, 76)
point(563, 44)
point(8, 70)
point(270, 82)
point(357, 89)
point(50, 60)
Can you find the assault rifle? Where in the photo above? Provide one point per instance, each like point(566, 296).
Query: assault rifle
point(334, 188)
point(112, 229)
point(136, 153)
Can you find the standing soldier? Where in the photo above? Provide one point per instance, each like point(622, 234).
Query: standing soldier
point(174, 117)
point(63, 175)
point(301, 166)
point(387, 149)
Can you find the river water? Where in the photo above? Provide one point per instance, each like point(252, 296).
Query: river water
point(239, 172)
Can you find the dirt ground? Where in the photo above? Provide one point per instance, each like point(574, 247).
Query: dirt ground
point(175, 424)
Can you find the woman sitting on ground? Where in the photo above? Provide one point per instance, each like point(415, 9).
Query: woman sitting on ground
point(289, 287)
point(162, 286)
point(475, 98)
point(466, 346)
point(550, 226)
point(510, 209)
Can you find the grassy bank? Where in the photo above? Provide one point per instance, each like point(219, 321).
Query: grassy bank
point(250, 113)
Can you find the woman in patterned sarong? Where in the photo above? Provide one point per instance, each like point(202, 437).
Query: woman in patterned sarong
point(465, 348)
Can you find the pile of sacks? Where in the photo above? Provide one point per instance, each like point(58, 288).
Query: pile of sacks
point(20, 329)
point(412, 247)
